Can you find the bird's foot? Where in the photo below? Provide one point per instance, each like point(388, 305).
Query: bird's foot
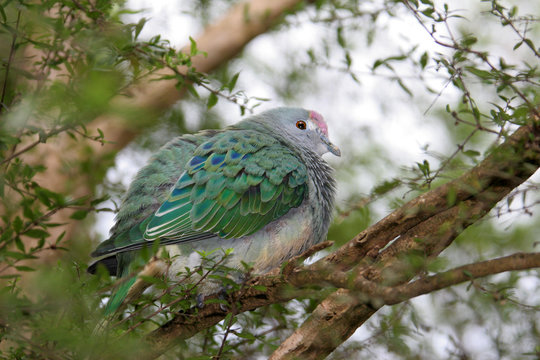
point(200, 301)
point(222, 295)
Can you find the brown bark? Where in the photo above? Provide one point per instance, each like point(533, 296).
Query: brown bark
point(426, 225)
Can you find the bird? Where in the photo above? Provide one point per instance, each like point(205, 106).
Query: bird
point(259, 187)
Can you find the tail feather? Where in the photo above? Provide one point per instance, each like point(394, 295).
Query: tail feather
point(119, 295)
point(134, 285)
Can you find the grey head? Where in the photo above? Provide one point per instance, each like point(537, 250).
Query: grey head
point(299, 127)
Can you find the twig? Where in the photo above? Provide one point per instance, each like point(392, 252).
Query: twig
point(481, 55)
point(173, 302)
point(42, 139)
point(227, 332)
point(497, 11)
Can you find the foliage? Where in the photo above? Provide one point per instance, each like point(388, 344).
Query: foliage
point(67, 63)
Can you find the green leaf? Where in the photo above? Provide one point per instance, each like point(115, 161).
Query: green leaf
point(355, 78)
point(480, 73)
point(39, 245)
point(348, 60)
point(212, 101)
point(471, 153)
point(232, 82)
point(151, 280)
point(17, 224)
point(79, 215)
point(48, 197)
point(24, 268)
point(469, 40)
point(246, 335)
point(475, 112)
point(3, 14)
point(530, 43)
point(36, 233)
point(139, 27)
point(340, 38)
point(386, 186)
point(428, 12)
point(405, 88)
point(192, 91)
point(451, 197)
point(193, 47)
point(424, 59)
point(101, 134)
point(7, 233)
point(513, 11)
point(260, 288)
point(458, 83)
point(13, 276)
point(424, 168)
point(311, 55)
point(18, 255)
point(521, 112)
point(60, 237)
point(19, 244)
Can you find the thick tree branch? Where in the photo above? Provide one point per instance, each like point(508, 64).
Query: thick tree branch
point(426, 225)
point(504, 167)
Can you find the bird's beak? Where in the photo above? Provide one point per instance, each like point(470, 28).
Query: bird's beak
point(331, 147)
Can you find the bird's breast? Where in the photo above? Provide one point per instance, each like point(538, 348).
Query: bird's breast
point(281, 239)
point(278, 241)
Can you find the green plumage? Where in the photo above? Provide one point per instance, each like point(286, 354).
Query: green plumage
point(120, 294)
point(233, 184)
point(217, 189)
point(267, 180)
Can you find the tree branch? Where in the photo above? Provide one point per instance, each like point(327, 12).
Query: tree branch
point(503, 168)
point(427, 224)
point(378, 294)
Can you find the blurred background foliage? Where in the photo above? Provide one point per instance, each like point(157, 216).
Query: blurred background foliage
point(415, 93)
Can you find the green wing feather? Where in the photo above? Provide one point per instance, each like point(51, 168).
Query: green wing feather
point(235, 184)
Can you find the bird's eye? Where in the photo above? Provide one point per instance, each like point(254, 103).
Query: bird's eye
point(301, 125)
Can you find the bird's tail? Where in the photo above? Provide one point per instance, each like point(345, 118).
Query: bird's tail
point(134, 284)
point(119, 296)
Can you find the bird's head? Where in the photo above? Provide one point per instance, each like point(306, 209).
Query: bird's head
point(305, 128)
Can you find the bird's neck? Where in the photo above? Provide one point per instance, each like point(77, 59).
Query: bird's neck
point(322, 188)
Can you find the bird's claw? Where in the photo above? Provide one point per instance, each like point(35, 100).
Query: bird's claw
point(200, 301)
point(222, 295)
